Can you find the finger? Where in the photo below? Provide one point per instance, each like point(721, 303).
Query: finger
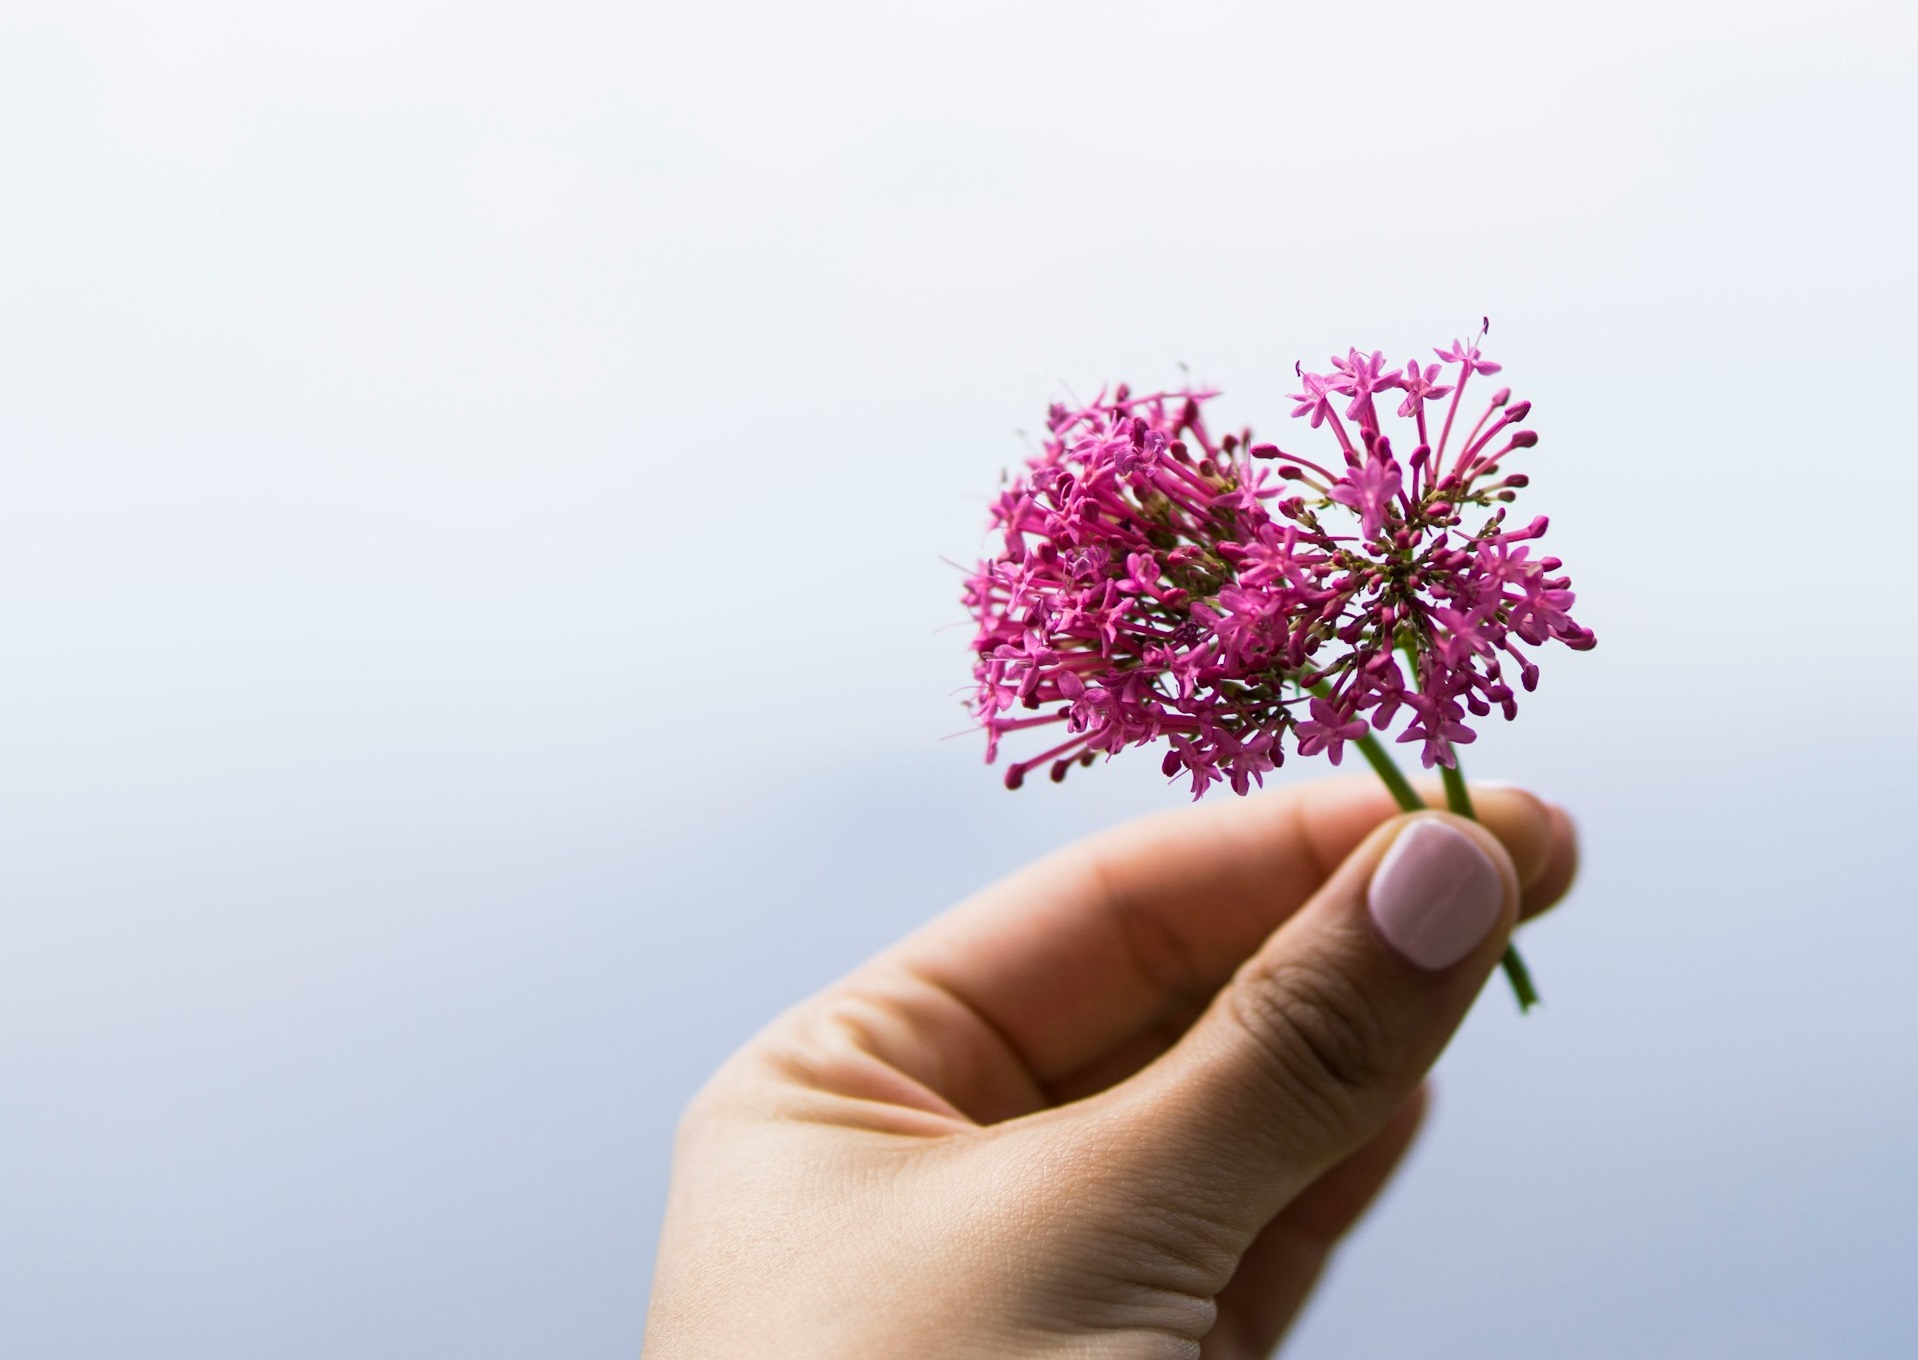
point(1516, 817)
point(1554, 878)
point(1322, 1034)
point(1285, 1259)
point(1106, 941)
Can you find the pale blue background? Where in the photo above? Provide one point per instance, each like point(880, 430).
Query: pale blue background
point(474, 643)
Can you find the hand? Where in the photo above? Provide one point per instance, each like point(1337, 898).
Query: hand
point(1121, 1104)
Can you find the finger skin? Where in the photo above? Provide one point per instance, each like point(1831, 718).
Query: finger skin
point(1115, 937)
point(1280, 1268)
point(1538, 835)
point(1559, 868)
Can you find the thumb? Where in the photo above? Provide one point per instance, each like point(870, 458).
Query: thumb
point(1325, 1032)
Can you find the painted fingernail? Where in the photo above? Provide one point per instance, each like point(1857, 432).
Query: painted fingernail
point(1435, 896)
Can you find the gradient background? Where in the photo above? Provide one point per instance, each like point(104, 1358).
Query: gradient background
point(474, 642)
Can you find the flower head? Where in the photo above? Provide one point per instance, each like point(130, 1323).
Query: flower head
point(1158, 584)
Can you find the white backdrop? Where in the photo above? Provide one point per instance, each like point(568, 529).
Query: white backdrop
point(474, 639)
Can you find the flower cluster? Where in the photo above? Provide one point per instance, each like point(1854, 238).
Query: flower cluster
point(1159, 583)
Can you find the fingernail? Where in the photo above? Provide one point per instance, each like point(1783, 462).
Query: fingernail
point(1435, 896)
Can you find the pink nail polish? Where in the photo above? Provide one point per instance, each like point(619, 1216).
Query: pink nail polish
point(1435, 896)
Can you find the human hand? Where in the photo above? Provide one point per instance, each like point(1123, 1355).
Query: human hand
point(1120, 1104)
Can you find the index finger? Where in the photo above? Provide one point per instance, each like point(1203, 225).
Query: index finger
point(1102, 942)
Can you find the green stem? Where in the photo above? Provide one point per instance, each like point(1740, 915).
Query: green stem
point(1458, 800)
point(1520, 977)
point(1457, 797)
point(1387, 769)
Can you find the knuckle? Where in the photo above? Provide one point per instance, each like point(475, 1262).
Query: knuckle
point(1324, 1040)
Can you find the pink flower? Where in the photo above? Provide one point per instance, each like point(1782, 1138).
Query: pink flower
point(1154, 584)
point(1466, 356)
point(1370, 488)
point(1328, 729)
point(1419, 388)
point(1316, 400)
point(1359, 377)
